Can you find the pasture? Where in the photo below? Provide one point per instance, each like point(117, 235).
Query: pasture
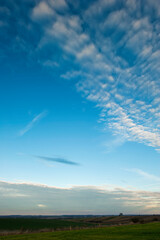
point(149, 231)
point(37, 224)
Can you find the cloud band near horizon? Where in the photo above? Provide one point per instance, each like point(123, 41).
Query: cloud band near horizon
point(28, 198)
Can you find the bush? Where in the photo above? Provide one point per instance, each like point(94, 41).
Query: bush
point(142, 221)
point(135, 220)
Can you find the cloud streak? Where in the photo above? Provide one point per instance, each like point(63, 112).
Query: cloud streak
point(144, 174)
point(31, 124)
point(59, 160)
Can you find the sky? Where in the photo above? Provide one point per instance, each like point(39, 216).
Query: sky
point(80, 107)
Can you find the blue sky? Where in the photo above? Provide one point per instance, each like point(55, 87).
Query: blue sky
point(80, 106)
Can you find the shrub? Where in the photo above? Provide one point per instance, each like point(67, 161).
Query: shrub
point(135, 220)
point(155, 219)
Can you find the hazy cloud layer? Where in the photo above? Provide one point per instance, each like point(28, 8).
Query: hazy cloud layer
point(115, 47)
point(25, 198)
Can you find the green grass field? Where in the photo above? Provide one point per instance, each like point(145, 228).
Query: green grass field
point(150, 231)
point(34, 224)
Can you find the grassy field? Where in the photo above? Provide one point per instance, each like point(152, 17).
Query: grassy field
point(34, 224)
point(150, 231)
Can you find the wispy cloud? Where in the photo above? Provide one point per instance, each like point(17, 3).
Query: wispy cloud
point(114, 143)
point(31, 124)
point(57, 159)
point(144, 174)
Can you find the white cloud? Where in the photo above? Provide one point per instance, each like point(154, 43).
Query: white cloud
point(42, 10)
point(98, 7)
point(87, 51)
point(118, 19)
point(31, 124)
point(41, 205)
point(58, 4)
point(132, 131)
